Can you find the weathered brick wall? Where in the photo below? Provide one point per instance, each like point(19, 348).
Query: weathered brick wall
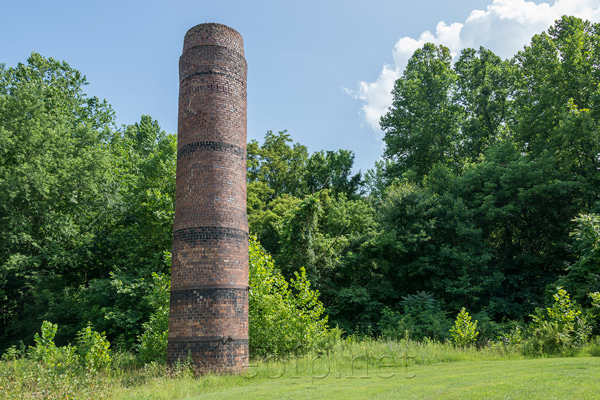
point(209, 279)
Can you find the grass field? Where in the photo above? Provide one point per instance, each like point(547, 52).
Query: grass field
point(550, 378)
point(366, 370)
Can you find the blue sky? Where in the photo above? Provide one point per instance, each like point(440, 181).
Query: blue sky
point(322, 70)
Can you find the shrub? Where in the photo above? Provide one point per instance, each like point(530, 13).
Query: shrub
point(12, 354)
point(464, 332)
point(284, 316)
point(594, 348)
point(329, 340)
point(584, 274)
point(514, 338)
point(93, 349)
point(594, 312)
point(559, 328)
point(422, 317)
point(153, 341)
point(595, 299)
point(45, 350)
point(55, 359)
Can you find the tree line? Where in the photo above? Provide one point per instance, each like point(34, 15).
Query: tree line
point(487, 198)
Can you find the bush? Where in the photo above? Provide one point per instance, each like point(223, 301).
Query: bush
point(557, 329)
point(583, 275)
point(594, 348)
point(93, 349)
point(153, 341)
point(464, 332)
point(45, 350)
point(12, 354)
point(593, 313)
point(56, 359)
point(284, 317)
point(514, 338)
point(548, 337)
point(422, 317)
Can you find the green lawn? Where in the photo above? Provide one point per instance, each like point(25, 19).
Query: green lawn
point(555, 378)
point(436, 371)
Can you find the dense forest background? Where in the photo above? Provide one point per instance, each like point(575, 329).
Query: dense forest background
point(487, 197)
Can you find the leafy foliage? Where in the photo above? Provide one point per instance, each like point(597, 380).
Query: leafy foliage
point(86, 210)
point(153, 341)
point(464, 332)
point(422, 317)
point(284, 317)
point(484, 87)
point(93, 349)
point(559, 328)
point(53, 175)
point(583, 275)
point(429, 242)
point(421, 128)
point(45, 350)
point(523, 206)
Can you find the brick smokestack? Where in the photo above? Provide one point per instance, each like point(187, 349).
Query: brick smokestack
point(209, 278)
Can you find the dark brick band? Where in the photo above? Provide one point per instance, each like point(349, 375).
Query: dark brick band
point(226, 63)
point(222, 147)
point(202, 235)
point(192, 339)
point(214, 45)
point(211, 72)
point(216, 355)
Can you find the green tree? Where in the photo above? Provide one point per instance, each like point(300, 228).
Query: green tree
point(93, 349)
point(420, 314)
point(55, 187)
point(153, 341)
point(583, 275)
point(421, 128)
point(301, 239)
point(464, 332)
point(484, 87)
point(523, 206)
point(558, 96)
point(430, 242)
point(317, 233)
point(278, 164)
point(86, 209)
point(282, 177)
point(333, 170)
point(131, 245)
point(558, 328)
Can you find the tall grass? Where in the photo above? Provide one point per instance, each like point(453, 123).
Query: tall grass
point(22, 378)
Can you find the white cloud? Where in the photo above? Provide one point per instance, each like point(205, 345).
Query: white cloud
point(504, 27)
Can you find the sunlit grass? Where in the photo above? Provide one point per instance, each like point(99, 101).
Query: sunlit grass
point(365, 367)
